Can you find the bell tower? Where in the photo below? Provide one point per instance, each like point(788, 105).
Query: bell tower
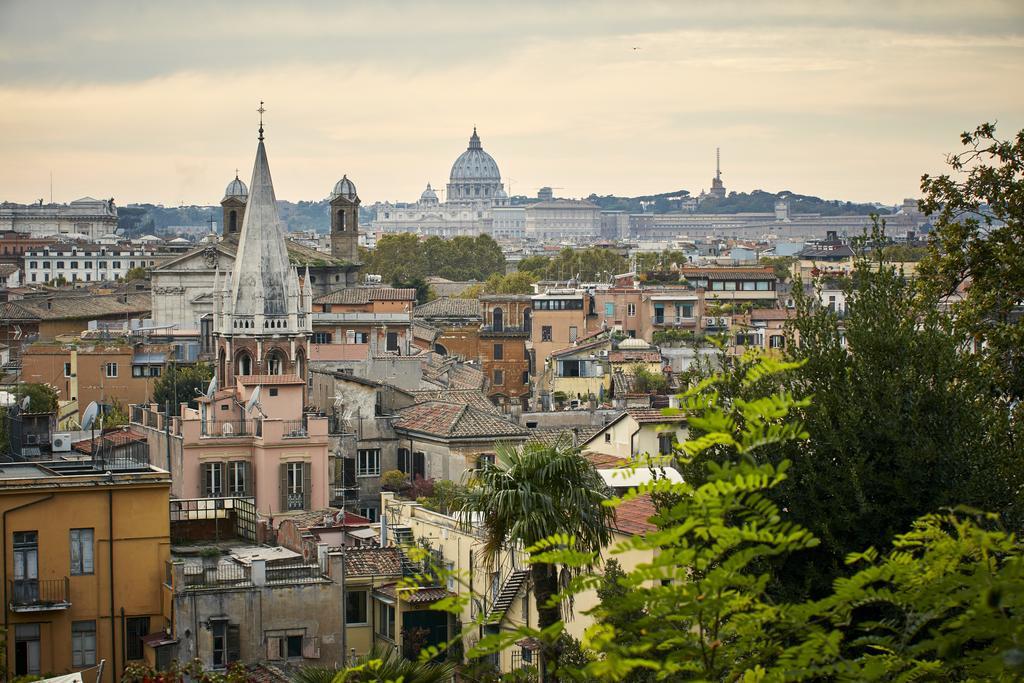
point(344, 203)
point(233, 207)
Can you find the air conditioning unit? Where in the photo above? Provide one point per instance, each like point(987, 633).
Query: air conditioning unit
point(710, 322)
point(61, 443)
point(724, 322)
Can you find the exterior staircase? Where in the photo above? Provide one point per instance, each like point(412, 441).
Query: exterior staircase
point(506, 595)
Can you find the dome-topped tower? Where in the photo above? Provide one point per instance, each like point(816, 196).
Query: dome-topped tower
point(429, 197)
point(344, 188)
point(344, 203)
point(236, 195)
point(475, 177)
point(236, 188)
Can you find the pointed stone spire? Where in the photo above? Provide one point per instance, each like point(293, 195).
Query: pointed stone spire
point(260, 278)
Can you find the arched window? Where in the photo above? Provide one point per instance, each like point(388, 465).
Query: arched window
point(244, 363)
point(233, 221)
point(275, 363)
point(341, 221)
point(221, 366)
point(498, 320)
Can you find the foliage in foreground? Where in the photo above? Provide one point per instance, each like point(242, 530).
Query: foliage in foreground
point(381, 664)
point(946, 603)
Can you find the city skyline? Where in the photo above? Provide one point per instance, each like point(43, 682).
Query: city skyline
point(157, 104)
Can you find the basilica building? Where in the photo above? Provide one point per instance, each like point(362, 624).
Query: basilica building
point(474, 190)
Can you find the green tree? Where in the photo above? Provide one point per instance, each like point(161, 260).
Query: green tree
point(538, 265)
point(780, 264)
point(182, 384)
point(42, 397)
point(977, 245)
point(115, 416)
point(137, 273)
point(532, 493)
point(423, 291)
point(902, 424)
point(518, 282)
point(382, 664)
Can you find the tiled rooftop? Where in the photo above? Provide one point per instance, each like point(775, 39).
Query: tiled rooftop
point(364, 295)
point(249, 380)
point(448, 307)
point(373, 562)
point(632, 516)
point(457, 421)
point(469, 397)
point(653, 416)
point(119, 438)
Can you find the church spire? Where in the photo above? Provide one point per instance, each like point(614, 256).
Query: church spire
point(260, 110)
point(259, 283)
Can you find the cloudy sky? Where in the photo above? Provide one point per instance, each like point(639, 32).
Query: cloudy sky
point(155, 101)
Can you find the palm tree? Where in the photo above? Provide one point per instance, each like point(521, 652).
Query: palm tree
point(532, 492)
point(381, 663)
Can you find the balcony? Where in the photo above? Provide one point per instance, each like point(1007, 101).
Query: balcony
point(39, 595)
point(504, 331)
point(229, 429)
point(675, 321)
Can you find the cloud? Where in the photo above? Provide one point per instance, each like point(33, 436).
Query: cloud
point(155, 102)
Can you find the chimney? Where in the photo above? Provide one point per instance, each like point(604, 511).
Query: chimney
point(831, 236)
point(258, 572)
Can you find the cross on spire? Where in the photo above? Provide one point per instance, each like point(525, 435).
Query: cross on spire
point(261, 110)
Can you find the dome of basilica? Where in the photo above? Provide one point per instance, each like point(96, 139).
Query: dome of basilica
point(429, 197)
point(344, 188)
point(236, 188)
point(475, 164)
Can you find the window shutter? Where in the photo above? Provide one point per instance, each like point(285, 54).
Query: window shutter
point(234, 643)
point(284, 487)
point(273, 647)
point(86, 539)
point(204, 471)
point(246, 478)
point(311, 647)
point(223, 479)
point(307, 485)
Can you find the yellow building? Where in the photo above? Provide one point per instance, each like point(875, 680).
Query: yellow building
point(500, 590)
point(83, 562)
point(636, 432)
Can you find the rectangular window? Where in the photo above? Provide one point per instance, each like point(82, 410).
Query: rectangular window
point(499, 378)
point(295, 489)
point(749, 286)
point(392, 341)
point(83, 644)
point(213, 479)
point(294, 644)
point(138, 371)
point(665, 443)
point(321, 337)
point(135, 629)
point(74, 265)
point(355, 607)
point(359, 337)
point(777, 341)
point(26, 649)
point(545, 333)
point(371, 513)
point(81, 551)
point(386, 620)
point(60, 264)
point(219, 629)
point(111, 370)
point(237, 472)
point(273, 391)
point(763, 285)
point(67, 369)
point(368, 462)
point(526, 377)
point(115, 264)
point(730, 286)
point(609, 309)
point(686, 310)
point(717, 286)
point(630, 309)
point(573, 334)
point(499, 352)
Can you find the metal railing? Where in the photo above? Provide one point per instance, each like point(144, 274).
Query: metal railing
point(216, 575)
point(230, 429)
point(294, 429)
point(39, 593)
point(674, 320)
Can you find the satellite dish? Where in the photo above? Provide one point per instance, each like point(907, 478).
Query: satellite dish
point(89, 416)
point(254, 400)
point(25, 403)
point(212, 389)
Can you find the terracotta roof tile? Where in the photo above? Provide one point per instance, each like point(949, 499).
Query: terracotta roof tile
point(469, 397)
point(604, 461)
point(121, 437)
point(456, 421)
point(552, 436)
point(249, 380)
point(726, 273)
point(633, 516)
point(653, 416)
point(415, 596)
point(364, 295)
point(373, 562)
point(448, 307)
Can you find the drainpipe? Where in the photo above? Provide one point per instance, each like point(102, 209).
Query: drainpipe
point(110, 549)
point(4, 532)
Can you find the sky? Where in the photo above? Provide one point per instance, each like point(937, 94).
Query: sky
point(156, 101)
